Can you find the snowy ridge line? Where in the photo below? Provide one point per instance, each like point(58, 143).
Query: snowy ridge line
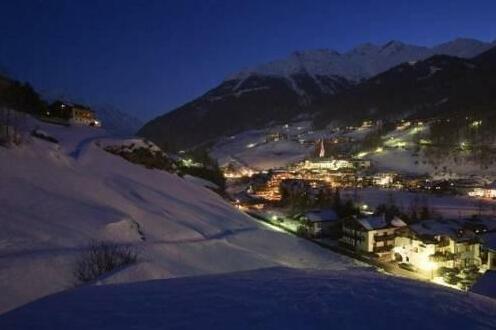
point(360, 62)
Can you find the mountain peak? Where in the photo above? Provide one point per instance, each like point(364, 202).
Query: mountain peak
point(362, 61)
point(462, 47)
point(393, 43)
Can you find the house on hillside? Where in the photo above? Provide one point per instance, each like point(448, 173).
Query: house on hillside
point(73, 113)
point(432, 244)
point(322, 223)
point(371, 235)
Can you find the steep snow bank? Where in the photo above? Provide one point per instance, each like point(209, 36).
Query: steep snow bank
point(277, 298)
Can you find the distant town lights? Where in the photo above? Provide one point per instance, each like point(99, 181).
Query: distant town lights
point(476, 123)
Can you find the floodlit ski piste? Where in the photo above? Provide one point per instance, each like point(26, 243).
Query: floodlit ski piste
point(57, 197)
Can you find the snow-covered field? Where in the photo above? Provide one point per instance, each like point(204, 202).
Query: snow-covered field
point(250, 149)
point(447, 206)
point(276, 298)
point(55, 198)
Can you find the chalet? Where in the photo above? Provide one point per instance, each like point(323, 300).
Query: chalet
point(73, 113)
point(431, 244)
point(322, 222)
point(371, 235)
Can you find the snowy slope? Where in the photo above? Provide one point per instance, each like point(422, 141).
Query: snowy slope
point(56, 198)
point(445, 206)
point(277, 298)
point(250, 150)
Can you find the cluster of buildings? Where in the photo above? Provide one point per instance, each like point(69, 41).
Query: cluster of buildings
point(268, 186)
point(428, 246)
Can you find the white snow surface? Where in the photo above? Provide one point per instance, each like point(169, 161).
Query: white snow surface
point(200, 181)
point(276, 298)
point(444, 205)
point(249, 149)
point(56, 198)
point(363, 61)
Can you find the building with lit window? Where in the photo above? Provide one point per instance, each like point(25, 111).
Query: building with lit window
point(73, 113)
point(371, 235)
point(488, 191)
point(431, 244)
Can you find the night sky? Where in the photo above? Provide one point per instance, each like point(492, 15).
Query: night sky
point(147, 57)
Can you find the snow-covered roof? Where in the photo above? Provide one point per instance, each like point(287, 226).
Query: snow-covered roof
point(380, 222)
point(322, 215)
point(454, 228)
point(373, 223)
point(397, 222)
point(436, 227)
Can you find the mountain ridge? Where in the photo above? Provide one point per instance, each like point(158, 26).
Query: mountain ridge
point(301, 85)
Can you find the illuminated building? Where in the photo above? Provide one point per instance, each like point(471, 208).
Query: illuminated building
point(488, 191)
point(327, 164)
point(74, 113)
point(383, 179)
point(431, 244)
point(371, 235)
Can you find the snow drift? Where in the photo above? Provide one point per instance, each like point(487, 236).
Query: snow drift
point(276, 298)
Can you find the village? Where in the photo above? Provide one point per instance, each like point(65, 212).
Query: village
point(324, 198)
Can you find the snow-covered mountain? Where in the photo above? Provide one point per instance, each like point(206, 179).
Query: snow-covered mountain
point(281, 90)
point(118, 122)
point(361, 62)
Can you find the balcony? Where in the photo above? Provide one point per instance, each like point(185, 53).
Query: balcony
point(380, 238)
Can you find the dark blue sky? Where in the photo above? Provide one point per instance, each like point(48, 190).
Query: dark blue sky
point(146, 57)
